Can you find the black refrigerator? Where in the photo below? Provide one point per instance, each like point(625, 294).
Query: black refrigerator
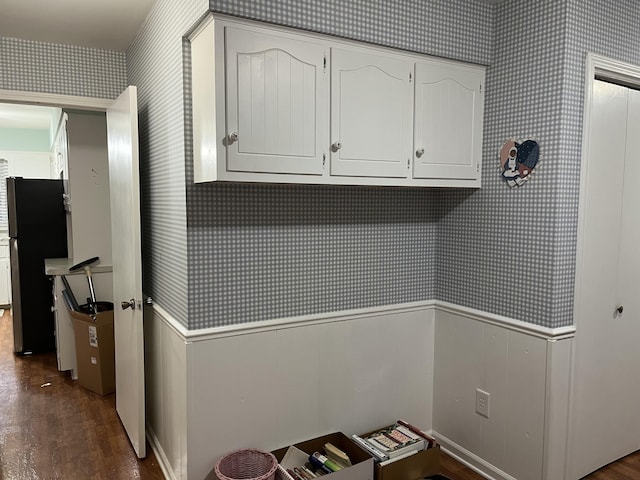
point(37, 230)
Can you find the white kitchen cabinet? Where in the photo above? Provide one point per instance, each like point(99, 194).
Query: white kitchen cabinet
point(277, 91)
point(5, 273)
point(371, 114)
point(80, 150)
point(448, 121)
point(65, 340)
point(60, 150)
point(268, 105)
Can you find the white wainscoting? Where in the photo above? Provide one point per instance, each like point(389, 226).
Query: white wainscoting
point(166, 391)
point(268, 389)
point(270, 384)
point(525, 371)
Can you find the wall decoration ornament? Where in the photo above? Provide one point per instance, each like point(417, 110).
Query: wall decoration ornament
point(518, 161)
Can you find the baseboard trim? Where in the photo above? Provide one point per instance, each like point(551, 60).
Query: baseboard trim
point(163, 461)
point(471, 460)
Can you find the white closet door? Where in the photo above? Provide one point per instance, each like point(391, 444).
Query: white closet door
point(277, 103)
point(371, 114)
point(448, 121)
point(605, 421)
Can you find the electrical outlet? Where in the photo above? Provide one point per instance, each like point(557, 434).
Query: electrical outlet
point(482, 402)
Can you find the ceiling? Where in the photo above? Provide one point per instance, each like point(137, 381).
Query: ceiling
point(103, 24)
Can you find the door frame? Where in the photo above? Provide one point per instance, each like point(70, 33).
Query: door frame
point(53, 100)
point(597, 67)
point(94, 104)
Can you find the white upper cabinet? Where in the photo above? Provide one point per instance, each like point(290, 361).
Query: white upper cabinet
point(277, 93)
point(273, 104)
point(448, 121)
point(371, 114)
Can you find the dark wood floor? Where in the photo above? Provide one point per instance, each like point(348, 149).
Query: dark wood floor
point(455, 470)
point(51, 428)
point(627, 468)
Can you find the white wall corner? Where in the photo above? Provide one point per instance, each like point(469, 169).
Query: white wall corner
point(166, 392)
point(470, 459)
point(559, 354)
point(525, 369)
point(161, 457)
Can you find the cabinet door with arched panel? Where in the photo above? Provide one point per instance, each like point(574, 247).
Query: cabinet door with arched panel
point(371, 112)
point(277, 103)
point(448, 121)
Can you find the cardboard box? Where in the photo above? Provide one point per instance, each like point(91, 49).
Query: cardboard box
point(95, 351)
point(414, 467)
point(418, 466)
point(362, 468)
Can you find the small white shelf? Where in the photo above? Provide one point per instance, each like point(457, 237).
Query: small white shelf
point(60, 266)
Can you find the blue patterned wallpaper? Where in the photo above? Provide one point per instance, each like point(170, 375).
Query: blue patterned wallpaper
point(259, 252)
point(61, 69)
point(518, 254)
point(228, 253)
point(155, 66)
point(272, 251)
point(460, 29)
point(497, 247)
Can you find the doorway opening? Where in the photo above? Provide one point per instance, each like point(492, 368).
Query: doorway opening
point(122, 146)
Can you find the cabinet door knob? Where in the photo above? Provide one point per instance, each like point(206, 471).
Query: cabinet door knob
point(619, 310)
point(336, 146)
point(419, 152)
point(232, 138)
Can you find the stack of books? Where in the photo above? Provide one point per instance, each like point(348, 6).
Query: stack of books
point(394, 442)
point(318, 464)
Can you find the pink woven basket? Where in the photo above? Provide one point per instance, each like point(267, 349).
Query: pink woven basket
point(247, 464)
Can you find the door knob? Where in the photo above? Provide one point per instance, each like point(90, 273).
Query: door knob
point(419, 152)
point(232, 138)
point(130, 304)
point(336, 146)
point(619, 310)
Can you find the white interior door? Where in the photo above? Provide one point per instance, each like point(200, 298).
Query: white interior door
point(122, 130)
point(605, 419)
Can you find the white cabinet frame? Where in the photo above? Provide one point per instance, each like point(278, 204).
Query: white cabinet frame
point(384, 136)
